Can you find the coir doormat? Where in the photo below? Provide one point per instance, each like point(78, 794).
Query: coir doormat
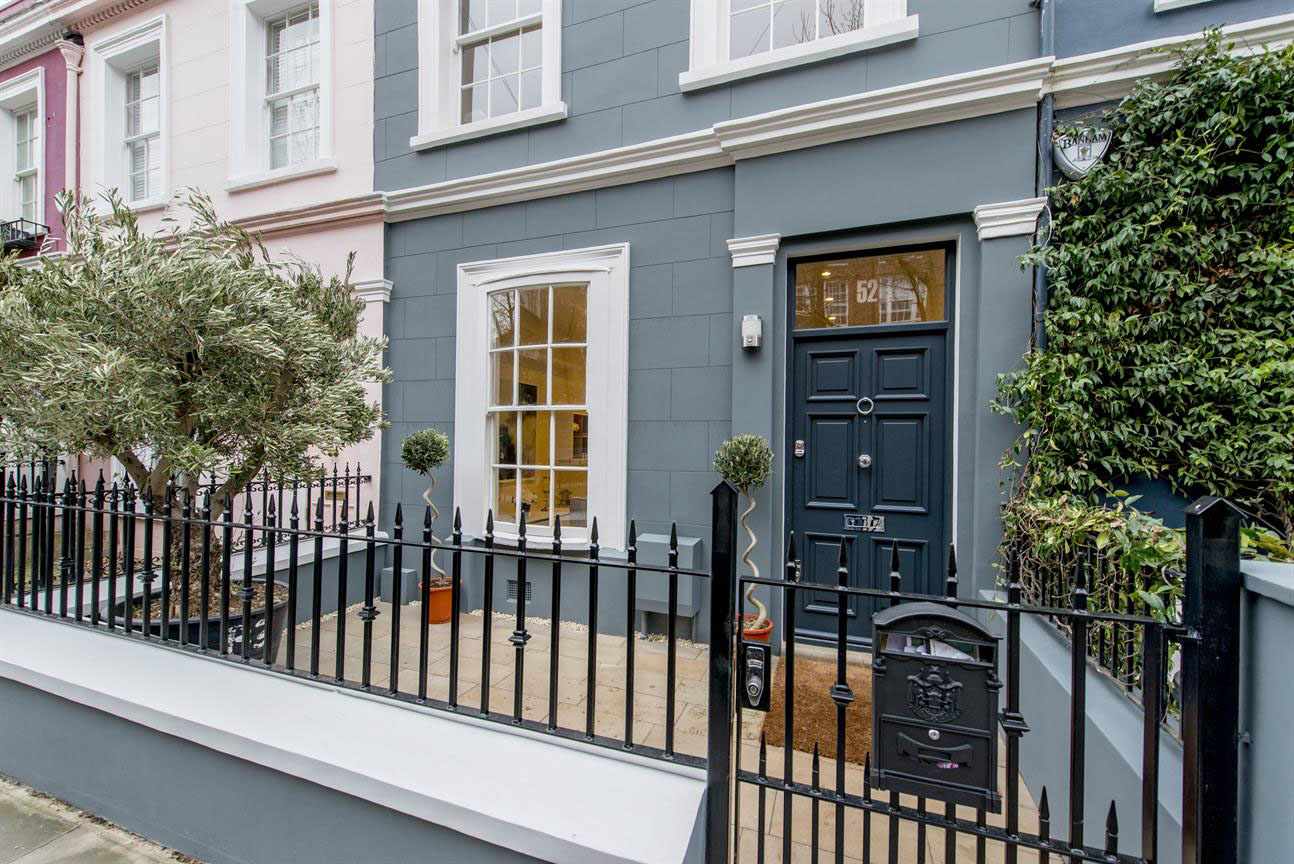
point(815, 713)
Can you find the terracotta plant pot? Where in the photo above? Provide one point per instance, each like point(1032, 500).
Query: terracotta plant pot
point(440, 604)
point(760, 635)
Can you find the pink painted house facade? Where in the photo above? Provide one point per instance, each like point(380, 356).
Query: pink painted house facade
point(37, 151)
point(264, 105)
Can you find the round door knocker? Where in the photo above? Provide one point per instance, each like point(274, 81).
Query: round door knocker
point(870, 405)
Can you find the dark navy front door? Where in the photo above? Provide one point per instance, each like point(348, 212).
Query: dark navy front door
point(869, 453)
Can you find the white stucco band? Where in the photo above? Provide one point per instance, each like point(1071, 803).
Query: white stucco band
point(755, 250)
point(1008, 218)
point(470, 775)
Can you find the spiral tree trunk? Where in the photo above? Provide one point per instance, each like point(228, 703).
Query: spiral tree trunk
point(435, 514)
point(762, 618)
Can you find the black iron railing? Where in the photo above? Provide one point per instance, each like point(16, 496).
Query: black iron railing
point(1207, 637)
point(22, 234)
point(136, 566)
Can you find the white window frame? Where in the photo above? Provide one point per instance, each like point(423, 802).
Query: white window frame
point(249, 125)
point(605, 269)
point(17, 95)
point(111, 59)
point(440, 68)
point(147, 137)
point(709, 64)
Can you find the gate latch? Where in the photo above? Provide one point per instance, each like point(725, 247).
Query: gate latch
point(754, 675)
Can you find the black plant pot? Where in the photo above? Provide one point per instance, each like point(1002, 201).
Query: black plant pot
point(234, 639)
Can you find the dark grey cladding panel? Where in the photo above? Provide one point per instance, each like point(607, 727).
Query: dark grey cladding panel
point(915, 174)
point(1084, 26)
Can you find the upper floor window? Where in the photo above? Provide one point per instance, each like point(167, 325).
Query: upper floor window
point(733, 39)
point(281, 91)
point(292, 86)
point(486, 66)
point(22, 147)
point(26, 165)
point(128, 113)
point(143, 133)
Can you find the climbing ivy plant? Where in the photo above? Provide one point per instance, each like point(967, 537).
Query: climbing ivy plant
point(1170, 325)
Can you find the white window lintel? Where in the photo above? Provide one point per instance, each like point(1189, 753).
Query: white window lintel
point(709, 63)
point(606, 271)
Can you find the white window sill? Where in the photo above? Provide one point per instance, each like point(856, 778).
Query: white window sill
point(280, 175)
point(493, 126)
point(147, 205)
point(1170, 5)
point(797, 55)
point(538, 542)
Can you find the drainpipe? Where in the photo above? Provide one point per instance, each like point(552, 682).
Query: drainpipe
point(72, 47)
point(1043, 180)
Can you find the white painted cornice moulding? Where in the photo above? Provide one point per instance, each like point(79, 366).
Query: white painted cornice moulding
point(694, 151)
point(1105, 76)
point(876, 112)
point(1008, 218)
point(40, 25)
point(370, 290)
point(755, 250)
point(1084, 79)
point(328, 213)
point(941, 100)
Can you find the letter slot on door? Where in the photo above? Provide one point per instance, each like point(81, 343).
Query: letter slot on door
point(934, 705)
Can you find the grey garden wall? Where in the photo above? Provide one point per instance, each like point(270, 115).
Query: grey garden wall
point(1267, 704)
point(620, 66)
point(209, 805)
point(1083, 26)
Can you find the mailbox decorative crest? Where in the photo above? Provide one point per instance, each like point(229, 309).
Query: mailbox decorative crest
point(933, 696)
point(934, 705)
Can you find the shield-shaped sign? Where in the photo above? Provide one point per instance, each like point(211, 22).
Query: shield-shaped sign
point(1076, 154)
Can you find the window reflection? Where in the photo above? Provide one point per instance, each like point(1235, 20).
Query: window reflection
point(889, 288)
point(541, 455)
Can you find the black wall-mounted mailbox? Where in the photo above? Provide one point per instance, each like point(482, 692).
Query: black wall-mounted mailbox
point(934, 705)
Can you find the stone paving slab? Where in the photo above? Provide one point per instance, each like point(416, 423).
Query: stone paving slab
point(37, 829)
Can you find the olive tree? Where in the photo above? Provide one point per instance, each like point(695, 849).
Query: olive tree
point(181, 352)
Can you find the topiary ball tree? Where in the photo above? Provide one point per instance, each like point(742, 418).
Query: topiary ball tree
point(423, 452)
point(746, 461)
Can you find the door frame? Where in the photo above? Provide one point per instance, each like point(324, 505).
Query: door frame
point(952, 272)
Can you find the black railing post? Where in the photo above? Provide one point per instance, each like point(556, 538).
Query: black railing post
point(723, 586)
point(1211, 658)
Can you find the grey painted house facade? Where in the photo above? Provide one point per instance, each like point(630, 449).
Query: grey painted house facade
point(865, 189)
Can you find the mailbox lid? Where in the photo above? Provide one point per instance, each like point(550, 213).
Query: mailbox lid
point(934, 630)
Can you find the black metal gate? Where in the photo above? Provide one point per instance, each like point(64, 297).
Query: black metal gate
point(759, 802)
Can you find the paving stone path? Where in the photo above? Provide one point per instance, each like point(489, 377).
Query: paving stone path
point(37, 829)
